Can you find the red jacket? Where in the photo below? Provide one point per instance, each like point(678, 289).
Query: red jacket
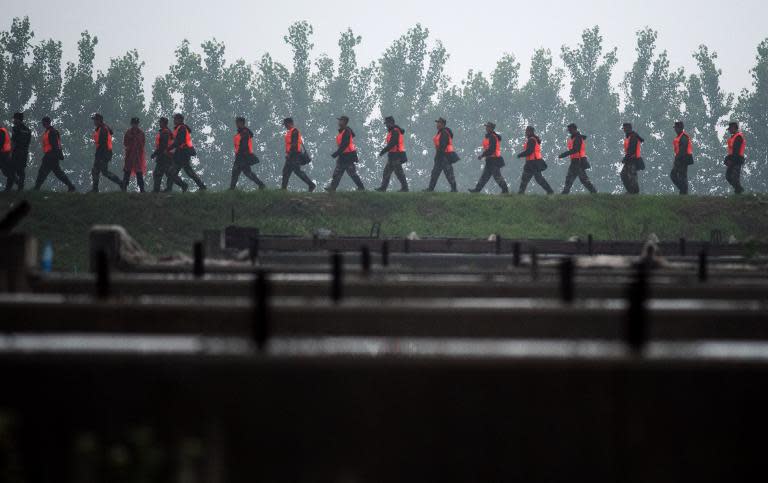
point(135, 157)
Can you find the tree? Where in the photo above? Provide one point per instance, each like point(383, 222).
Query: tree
point(542, 107)
point(654, 94)
point(15, 83)
point(706, 107)
point(409, 81)
point(46, 79)
point(79, 99)
point(594, 105)
point(752, 111)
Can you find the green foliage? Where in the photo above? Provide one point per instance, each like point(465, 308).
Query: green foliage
point(408, 82)
point(165, 224)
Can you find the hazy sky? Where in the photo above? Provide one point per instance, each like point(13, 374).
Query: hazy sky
point(475, 34)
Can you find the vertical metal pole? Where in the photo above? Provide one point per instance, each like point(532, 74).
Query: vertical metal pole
point(261, 313)
point(566, 280)
point(102, 275)
point(337, 274)
point(516, 254)
point(199, 256)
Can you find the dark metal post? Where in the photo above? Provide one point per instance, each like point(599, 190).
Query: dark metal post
point(498, 244)
point(199, 264)
point(534, 264)
point(385, 254)
point(516, 254)
point(337, 274)
point(407, 245)
point(590, 246)
point(253, 250)
point(636, 331)
point(102, 275)
point(261, 314)
point(365, 259)
point(703, 268)
point(566, 280)
point(682, 246)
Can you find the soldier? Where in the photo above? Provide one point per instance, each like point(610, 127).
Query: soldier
point(5, 157)
point(52, 156)
point(633, 159)
point(396, 157)
point(737, 144)
point(445, 157)
point(163, 158)
point(182, 151)
point(134, 142)
point(534, 163)
point(577, 150)
point(683, 149)
point(244, 156)
point(295, 156)
point(346, 157)
point(102, 137)
point(21, 139)
point(493, 160)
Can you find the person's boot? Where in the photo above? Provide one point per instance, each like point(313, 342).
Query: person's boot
point(312, 187)
point(453, 188)
point(381, 189)
point(126, 180)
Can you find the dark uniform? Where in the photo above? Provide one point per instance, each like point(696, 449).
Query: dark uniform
point(163, 159)
point(396, 157)
point(735, 160)
point(22, 138)
point(493, 163)
point(577, 150)
point(683, 149)
point(445, 157)
point(183, 150)
point(633, 162)
point(102, 136)
point(52, 156)
point(534, 165)
point(295, 157)
point(5, 158)
point(244, 158)
point(346, 158)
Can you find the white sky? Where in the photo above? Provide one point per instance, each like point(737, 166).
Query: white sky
point(475, 34)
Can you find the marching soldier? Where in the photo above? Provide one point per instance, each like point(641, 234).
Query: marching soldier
point(52, 156)
point(295, 156)
point(534, 163)
point(396, 157)
point(737, 144)
point(346, 157)
point(633, 159)
point(21, 139)
point(162, 156)
point(134, 142)
point(244, 155)
point(683, 149)
point(102, 137)
point(182, 151)
point(445, 156)
point(493, 160)
point(577, 150)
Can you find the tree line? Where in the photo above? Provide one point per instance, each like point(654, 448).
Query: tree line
point(409, 82)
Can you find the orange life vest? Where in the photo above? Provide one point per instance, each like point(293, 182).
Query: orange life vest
point(676, 144)
point(436, 140)
point(6, 148)
point(299, 140)
point(732, 141)
point(187, 139)
point(167, 131)
point(400, 148)
point(97, 135)
point(238, 139)
point(536, 155)
point(582, 152)
point(351, 148)
point(487, 144)
point(47, 148)
point(638, 150)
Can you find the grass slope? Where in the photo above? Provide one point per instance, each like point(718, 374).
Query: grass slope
point(167, 223)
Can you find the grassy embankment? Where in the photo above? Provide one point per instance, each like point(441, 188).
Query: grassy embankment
point(165, 224)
